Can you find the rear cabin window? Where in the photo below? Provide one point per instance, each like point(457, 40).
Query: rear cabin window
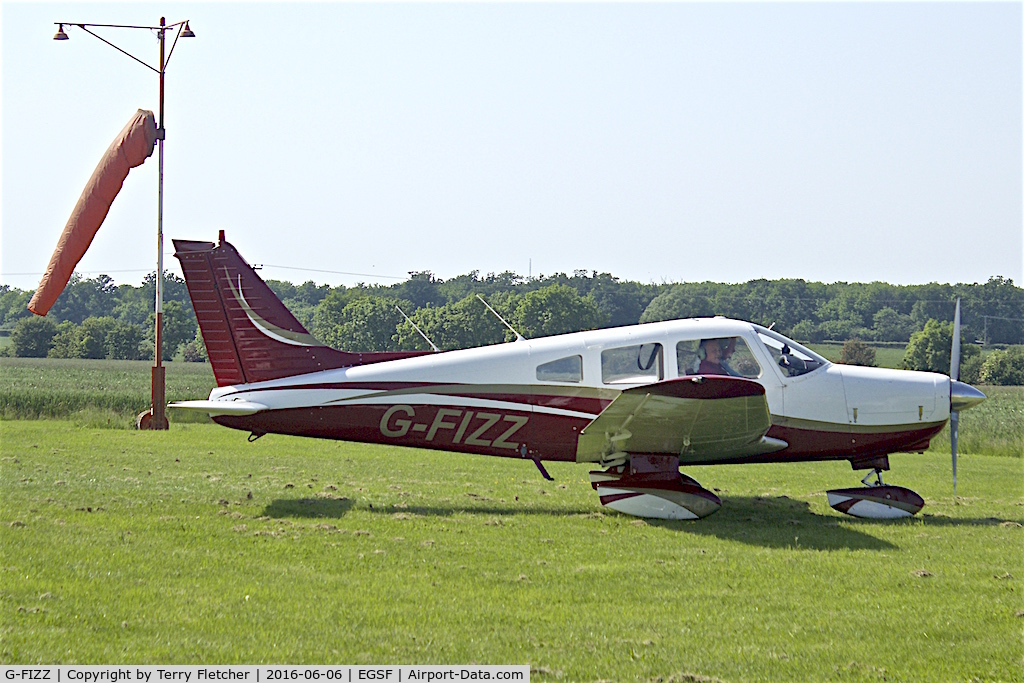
point(632, 364)
point(562, 370)
point(718, 356)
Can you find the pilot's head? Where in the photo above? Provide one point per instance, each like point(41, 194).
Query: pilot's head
point(712, 350)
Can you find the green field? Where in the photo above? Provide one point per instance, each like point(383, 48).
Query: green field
point(94, 392)
point(994, 427)
point(885, 356)
point(122, 546)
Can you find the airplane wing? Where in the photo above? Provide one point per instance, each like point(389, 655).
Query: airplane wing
point(698, 418)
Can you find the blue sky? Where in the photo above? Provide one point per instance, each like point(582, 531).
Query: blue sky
point(659, 142)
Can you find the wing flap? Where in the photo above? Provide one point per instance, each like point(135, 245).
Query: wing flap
point(696, 418)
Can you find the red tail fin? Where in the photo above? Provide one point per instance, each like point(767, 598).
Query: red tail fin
point(250, 335)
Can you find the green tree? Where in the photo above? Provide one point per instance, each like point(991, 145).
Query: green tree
point(367, 324)
point(461, 325)
point(301, 300)
point(67, 343)
point(556, 309)
point(806, 331)
point(94, 336)
point(174, 289)
point(84, 298)
point(330, 313)
point(32, 336)
point(970, 369)
point(124, 341)
point(686, 301)
point(421, 289)
point(195, 350)
point(13, 305)
point(856, 352)
point(1004, 367)
point(890, 325)
point(179, 327)
point(131, 306)
point(621, 303)
point(929, 349)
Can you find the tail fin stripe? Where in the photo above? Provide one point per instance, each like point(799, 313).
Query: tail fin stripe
point(271, 330)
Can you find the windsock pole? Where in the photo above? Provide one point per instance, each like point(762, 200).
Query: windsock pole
point(159, 420)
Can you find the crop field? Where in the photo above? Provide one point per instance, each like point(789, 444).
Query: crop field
point(194, 546)
point(995, 427)
point(97, 393)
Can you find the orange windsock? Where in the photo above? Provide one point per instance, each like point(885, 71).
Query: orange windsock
point(132, 146)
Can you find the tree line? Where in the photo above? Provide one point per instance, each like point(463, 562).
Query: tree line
point(96, 318)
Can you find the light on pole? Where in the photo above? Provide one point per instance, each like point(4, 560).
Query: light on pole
point(154, 418)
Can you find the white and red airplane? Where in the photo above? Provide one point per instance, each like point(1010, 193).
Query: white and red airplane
point(638, 401)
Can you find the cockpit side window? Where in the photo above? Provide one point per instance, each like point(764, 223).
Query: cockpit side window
point(632, 364)
point(792, 358)
point(717, 356)
point(569, 369)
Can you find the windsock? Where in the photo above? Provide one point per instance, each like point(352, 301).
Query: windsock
point(132, 146)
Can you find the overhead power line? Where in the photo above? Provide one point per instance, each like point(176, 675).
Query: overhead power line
point(334, 272)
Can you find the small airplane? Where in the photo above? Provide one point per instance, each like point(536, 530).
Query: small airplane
point(639, 402)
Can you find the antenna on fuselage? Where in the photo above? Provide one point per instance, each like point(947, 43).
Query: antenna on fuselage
point(519, 337)
point(417, 328)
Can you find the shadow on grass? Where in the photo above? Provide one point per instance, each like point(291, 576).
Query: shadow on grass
point(782, 522)
point(308, 508)
point(779, 522)
point(941, 520)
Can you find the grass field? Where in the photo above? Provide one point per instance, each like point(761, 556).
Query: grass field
point(122, 546)
point(885, 356)
point(94, 392)
point(994, 427)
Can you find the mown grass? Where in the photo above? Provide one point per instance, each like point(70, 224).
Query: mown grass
point(94, 392)
point(124, 546)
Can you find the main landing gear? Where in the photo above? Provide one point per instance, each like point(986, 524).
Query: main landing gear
point(876, 500)
point(652, 486)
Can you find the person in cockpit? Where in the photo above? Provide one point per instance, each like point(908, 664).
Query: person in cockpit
point(716, 354)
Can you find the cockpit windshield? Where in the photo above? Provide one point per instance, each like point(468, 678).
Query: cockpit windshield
point(792, 358)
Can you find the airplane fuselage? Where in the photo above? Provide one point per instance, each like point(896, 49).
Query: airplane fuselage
point(532, 399)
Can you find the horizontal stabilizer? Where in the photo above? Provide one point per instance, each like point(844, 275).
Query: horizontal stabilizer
point(697, 418)
point(215, 408)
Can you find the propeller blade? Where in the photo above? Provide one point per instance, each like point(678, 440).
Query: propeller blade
point(954, 355)
point(954, 375)
point(954, 429)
